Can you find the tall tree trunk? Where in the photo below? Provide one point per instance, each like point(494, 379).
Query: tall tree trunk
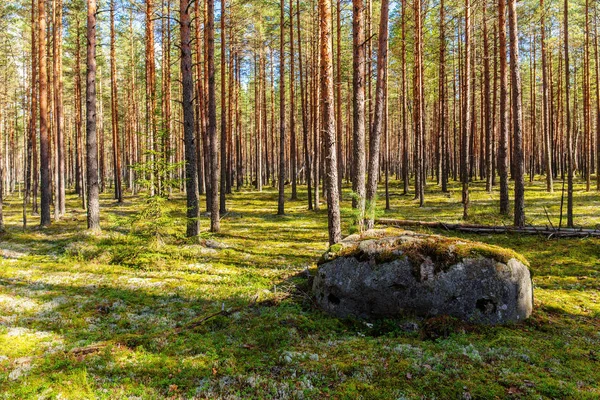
point(60, 205)
point(405, 151)
point(200, 127)
point(151, 129)
point(187, 89)
point(358, 105)
point(546, 121)
point(517, 113)
point(338, 97)
point(281, 180)
point(587, 117)
point(466, 116)
point(376, 130)
point(418, 100)
point(293, 148)
point(31, 142)
point(488, 102)
point(443, 142)
point(44, 121)
point(303, 99)
point(209, 31)
point(597, 62)
point(569, 164)
point(328, 128)
point(224, 133)
point(504, 121)
point(93, 202)
point(114, 108)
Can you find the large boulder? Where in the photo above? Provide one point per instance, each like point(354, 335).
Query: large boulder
point(384, 274)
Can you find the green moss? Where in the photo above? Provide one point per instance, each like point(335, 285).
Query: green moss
point(69, 290)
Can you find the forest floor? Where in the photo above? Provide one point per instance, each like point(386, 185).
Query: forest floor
point(119, 315)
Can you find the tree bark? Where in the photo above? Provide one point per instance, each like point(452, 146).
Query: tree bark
point(209, 31)
point(517, 112)
point(358, 105)
point(546, 121)
point(375, 142)
point(466, 113)
point(569, 158)
point(46, 195)
point(114, 109)
point(93, 201)
point(60, 205)
point(187, 89)
point(504, 121)
point(281, 180)
point(303, 97)
point(328, 128)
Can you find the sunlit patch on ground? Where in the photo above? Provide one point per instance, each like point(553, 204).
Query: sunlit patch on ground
point(125, 315)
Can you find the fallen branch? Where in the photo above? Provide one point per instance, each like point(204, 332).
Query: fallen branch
point(487, 229)
point(199, 321)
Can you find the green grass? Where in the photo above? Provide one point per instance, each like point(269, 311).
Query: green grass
point(133, 295)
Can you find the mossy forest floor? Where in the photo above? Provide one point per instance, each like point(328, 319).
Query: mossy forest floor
point(118, 315)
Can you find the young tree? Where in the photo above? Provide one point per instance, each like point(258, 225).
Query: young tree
point(328, 128)
point(376, 129)
point(517, 112)
point(187, 89)
point(93, 189)
point(358, 104)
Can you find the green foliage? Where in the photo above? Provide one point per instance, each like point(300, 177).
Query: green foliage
point(158, 169)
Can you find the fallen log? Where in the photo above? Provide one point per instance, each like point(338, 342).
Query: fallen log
point(487, 229)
